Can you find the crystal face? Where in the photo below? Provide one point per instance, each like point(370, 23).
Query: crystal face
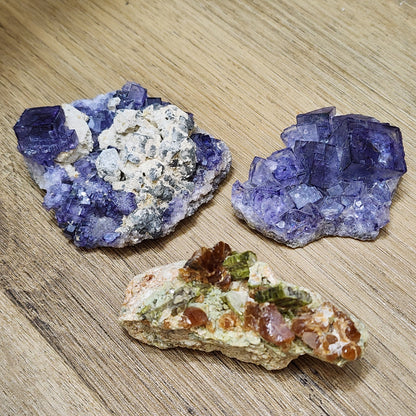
point(336, 176)
point(121, 167)
point(43, 135)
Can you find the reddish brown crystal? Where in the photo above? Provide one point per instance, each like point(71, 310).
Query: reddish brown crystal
point(193, 316)
point(352, 332)
point(251, 316)
point(205, 266)
point(329, 332)
point(351, 351)
point(228, 320)
point(311, 339)
point(266, 319)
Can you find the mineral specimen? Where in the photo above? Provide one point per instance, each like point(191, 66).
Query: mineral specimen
point(225, 301)
point(336, 176)
point(121, 167)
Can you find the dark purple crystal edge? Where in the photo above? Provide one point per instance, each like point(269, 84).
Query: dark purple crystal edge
point(42, 134)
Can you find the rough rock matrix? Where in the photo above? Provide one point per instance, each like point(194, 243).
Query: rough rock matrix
point(226, 301)
point(121, 167)
point(336, 176)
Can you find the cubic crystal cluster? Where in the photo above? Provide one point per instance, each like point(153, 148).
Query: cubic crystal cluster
point(121, 167)
point(336, 176)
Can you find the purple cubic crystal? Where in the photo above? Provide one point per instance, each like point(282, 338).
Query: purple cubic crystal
point(121, 167)
point(42, 134)
point(336, 176)
point(132, 96)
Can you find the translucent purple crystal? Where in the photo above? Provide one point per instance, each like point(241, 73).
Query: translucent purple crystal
point(43, 135)
point(132, 96)
point(336, 176)
point(121, 167)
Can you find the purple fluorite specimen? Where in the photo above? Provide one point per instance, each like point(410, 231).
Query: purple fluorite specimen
point(336, 176)
point(121, 167)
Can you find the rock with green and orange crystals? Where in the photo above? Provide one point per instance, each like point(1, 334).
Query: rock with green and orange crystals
point(220, 300)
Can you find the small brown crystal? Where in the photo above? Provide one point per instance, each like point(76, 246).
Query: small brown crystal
point(193, 316)
point(228, 320)
point(251, 316)
point(205, 266)
point(350, 351)
point(311, 339)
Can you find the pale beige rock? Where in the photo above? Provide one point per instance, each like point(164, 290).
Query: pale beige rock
point(154, 309)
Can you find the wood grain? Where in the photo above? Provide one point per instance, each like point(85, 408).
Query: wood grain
point(245, 69)
point(50, 386)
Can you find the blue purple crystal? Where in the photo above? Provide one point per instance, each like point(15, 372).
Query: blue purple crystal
point(42, 134)
point(131, 96)
point(336, 176)
point(96, 208)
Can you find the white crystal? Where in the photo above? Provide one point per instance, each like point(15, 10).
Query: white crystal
point(108, 165)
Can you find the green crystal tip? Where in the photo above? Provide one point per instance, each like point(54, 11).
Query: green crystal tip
point(238, 264)
point(284, 296)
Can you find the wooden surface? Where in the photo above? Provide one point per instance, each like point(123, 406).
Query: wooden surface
point(245, 69)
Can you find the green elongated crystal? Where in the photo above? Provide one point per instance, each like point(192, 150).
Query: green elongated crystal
point(238, 264)
point(284, 296)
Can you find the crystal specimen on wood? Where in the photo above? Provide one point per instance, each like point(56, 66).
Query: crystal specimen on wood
point(336, 176)
point(220, 300)
point(121, 167)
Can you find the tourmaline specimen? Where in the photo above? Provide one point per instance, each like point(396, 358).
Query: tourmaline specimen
point(220, 300)
point(336, 176)
point(121, 167)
